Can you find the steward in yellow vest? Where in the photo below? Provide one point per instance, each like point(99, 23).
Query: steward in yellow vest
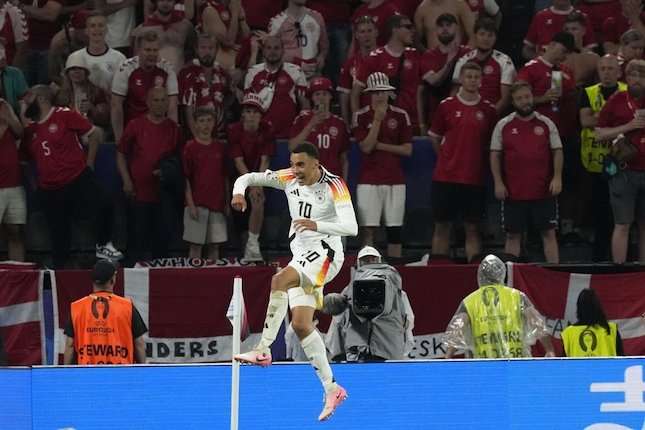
point(495, 321)
point(592, 153)
point(592, 335)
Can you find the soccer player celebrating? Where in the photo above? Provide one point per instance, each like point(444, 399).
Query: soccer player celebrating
point(322, 212)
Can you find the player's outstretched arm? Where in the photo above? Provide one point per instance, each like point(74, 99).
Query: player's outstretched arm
point(274, 179)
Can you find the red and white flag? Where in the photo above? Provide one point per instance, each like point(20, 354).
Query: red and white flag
point(230, 314)
point(555, 295)
point(184, 309)
point(22, 325)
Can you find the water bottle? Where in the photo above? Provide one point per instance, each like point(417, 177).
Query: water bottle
point(556, 84)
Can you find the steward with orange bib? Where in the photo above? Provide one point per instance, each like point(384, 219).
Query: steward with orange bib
point(495, 321)
point(104, 328)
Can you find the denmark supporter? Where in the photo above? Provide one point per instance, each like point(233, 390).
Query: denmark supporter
point(460, 134)
point(526, 161)
point(384, 135)
point(205, 169)
point(280, 85)
point(134, 79)
point(323, 129)
point(380, 11)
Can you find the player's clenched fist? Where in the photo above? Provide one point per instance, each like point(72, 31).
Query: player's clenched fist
point(238, 202)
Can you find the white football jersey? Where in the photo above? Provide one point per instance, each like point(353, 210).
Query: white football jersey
point(327, 202)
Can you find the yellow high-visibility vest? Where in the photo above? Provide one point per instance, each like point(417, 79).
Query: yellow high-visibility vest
point(589, 341)
point(495, 314)
point(593, 153)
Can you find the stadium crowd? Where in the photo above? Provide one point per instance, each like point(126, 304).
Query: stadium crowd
point(538, 104)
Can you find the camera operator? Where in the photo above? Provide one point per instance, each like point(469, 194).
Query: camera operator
point(373, 319)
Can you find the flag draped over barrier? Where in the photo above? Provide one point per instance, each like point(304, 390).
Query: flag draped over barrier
point(21, 316)
point(555, 295)
point(184, 309)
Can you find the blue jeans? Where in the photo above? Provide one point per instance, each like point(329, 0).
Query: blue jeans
point(339, 37)
point(37, 70)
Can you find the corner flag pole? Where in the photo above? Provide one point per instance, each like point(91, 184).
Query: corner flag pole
point(235, 349)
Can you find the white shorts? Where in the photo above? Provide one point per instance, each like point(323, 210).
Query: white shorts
point(209, 227)
point(13, 206)
point(373, 201)
point(316, 267)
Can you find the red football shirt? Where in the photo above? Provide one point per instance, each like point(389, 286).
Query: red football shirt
point(537, 73)
point(133, 82)
point(497, 70)
point(619, 110)
point(347, 76)
point(55, 146)
point(144, 144)
point(528, 161)
point(259, 12)
point(251, 146)
point(41, 33)
point(279, 90)
point(13, 29)
point(614, 26)
point(380, 15)
point(404, 74)
point(330, 137)
point(599, 11)
point(407, 7)
point(9, 161)
point(382, 167)
point(432, 61)
point(197, 91)
point(464, 129)
point(547, 22)
point(205, 170)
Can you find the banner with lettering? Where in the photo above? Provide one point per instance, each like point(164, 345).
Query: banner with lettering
point(184, 309)
point(22, 327)
point(555, 295)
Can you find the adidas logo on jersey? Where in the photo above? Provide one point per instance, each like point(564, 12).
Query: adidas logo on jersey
point(295, 193)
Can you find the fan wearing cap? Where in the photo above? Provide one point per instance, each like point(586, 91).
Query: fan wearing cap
point(323, 129)
point(103, 327)
point(538, 73)
point(401, 63)
point(204, 165)
point(427, 13)
point(365, 33)
point(69, 39)
point(203, 83)
point(251, 145)
point(384, 135)
point(80, 94)
point(547, 23)
point(460, 134)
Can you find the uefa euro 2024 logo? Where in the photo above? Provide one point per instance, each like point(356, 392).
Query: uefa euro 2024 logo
point(633, 387)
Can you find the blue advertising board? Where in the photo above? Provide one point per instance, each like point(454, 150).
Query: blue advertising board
point(601, 394)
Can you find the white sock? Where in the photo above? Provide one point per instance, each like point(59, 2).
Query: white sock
point(253, 237)
point(276, 310)
point(317, 354)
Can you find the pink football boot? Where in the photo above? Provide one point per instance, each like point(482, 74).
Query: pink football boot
point(332, 401)
point(254, 357)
